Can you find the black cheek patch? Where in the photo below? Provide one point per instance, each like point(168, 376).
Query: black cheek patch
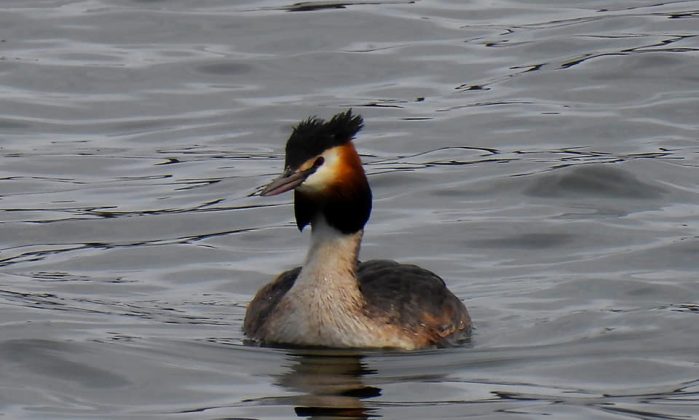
point(349, 214)
point(304, 209)
point(346, 211)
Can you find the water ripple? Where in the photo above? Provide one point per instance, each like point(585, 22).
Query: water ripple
point(545, 155)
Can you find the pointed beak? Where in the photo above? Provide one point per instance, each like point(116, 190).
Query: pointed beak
point(286, 182)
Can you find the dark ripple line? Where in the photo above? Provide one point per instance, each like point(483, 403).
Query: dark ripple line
point(308, 6)
point(51, 301)
point(527, 68)
point(639, 413)
point(34, 256)
point(488, 150)
point(606, 402)
point(576, 157)
point(640, 50)
point(101, 213)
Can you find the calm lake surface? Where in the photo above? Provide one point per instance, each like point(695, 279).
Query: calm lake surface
point(542, 157)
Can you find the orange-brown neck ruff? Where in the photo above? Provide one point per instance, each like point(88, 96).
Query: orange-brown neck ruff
point(344, 199)
point(349, 174)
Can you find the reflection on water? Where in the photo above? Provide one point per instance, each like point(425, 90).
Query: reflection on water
point(329, 386)
point(541, 157)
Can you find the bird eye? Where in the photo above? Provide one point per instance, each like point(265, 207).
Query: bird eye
point(318, 162)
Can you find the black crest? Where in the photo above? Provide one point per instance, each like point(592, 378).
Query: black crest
point(314, 135)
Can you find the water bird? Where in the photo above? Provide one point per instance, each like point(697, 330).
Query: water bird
point(334, 300)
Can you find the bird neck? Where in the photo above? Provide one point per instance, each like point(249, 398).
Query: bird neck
point(324, 306)
point(331, 258)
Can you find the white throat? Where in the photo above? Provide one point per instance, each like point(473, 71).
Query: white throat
point(331, 259)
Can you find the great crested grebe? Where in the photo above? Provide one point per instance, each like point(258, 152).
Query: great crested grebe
point(334, 300)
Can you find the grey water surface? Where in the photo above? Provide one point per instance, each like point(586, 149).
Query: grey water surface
point(541, 156)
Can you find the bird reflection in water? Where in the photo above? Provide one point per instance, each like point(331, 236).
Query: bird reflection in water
point(330, 385)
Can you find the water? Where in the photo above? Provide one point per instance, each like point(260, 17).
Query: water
point(545, 155)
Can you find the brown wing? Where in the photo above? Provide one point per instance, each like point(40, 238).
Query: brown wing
point(415, 299)
point(266, 300)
